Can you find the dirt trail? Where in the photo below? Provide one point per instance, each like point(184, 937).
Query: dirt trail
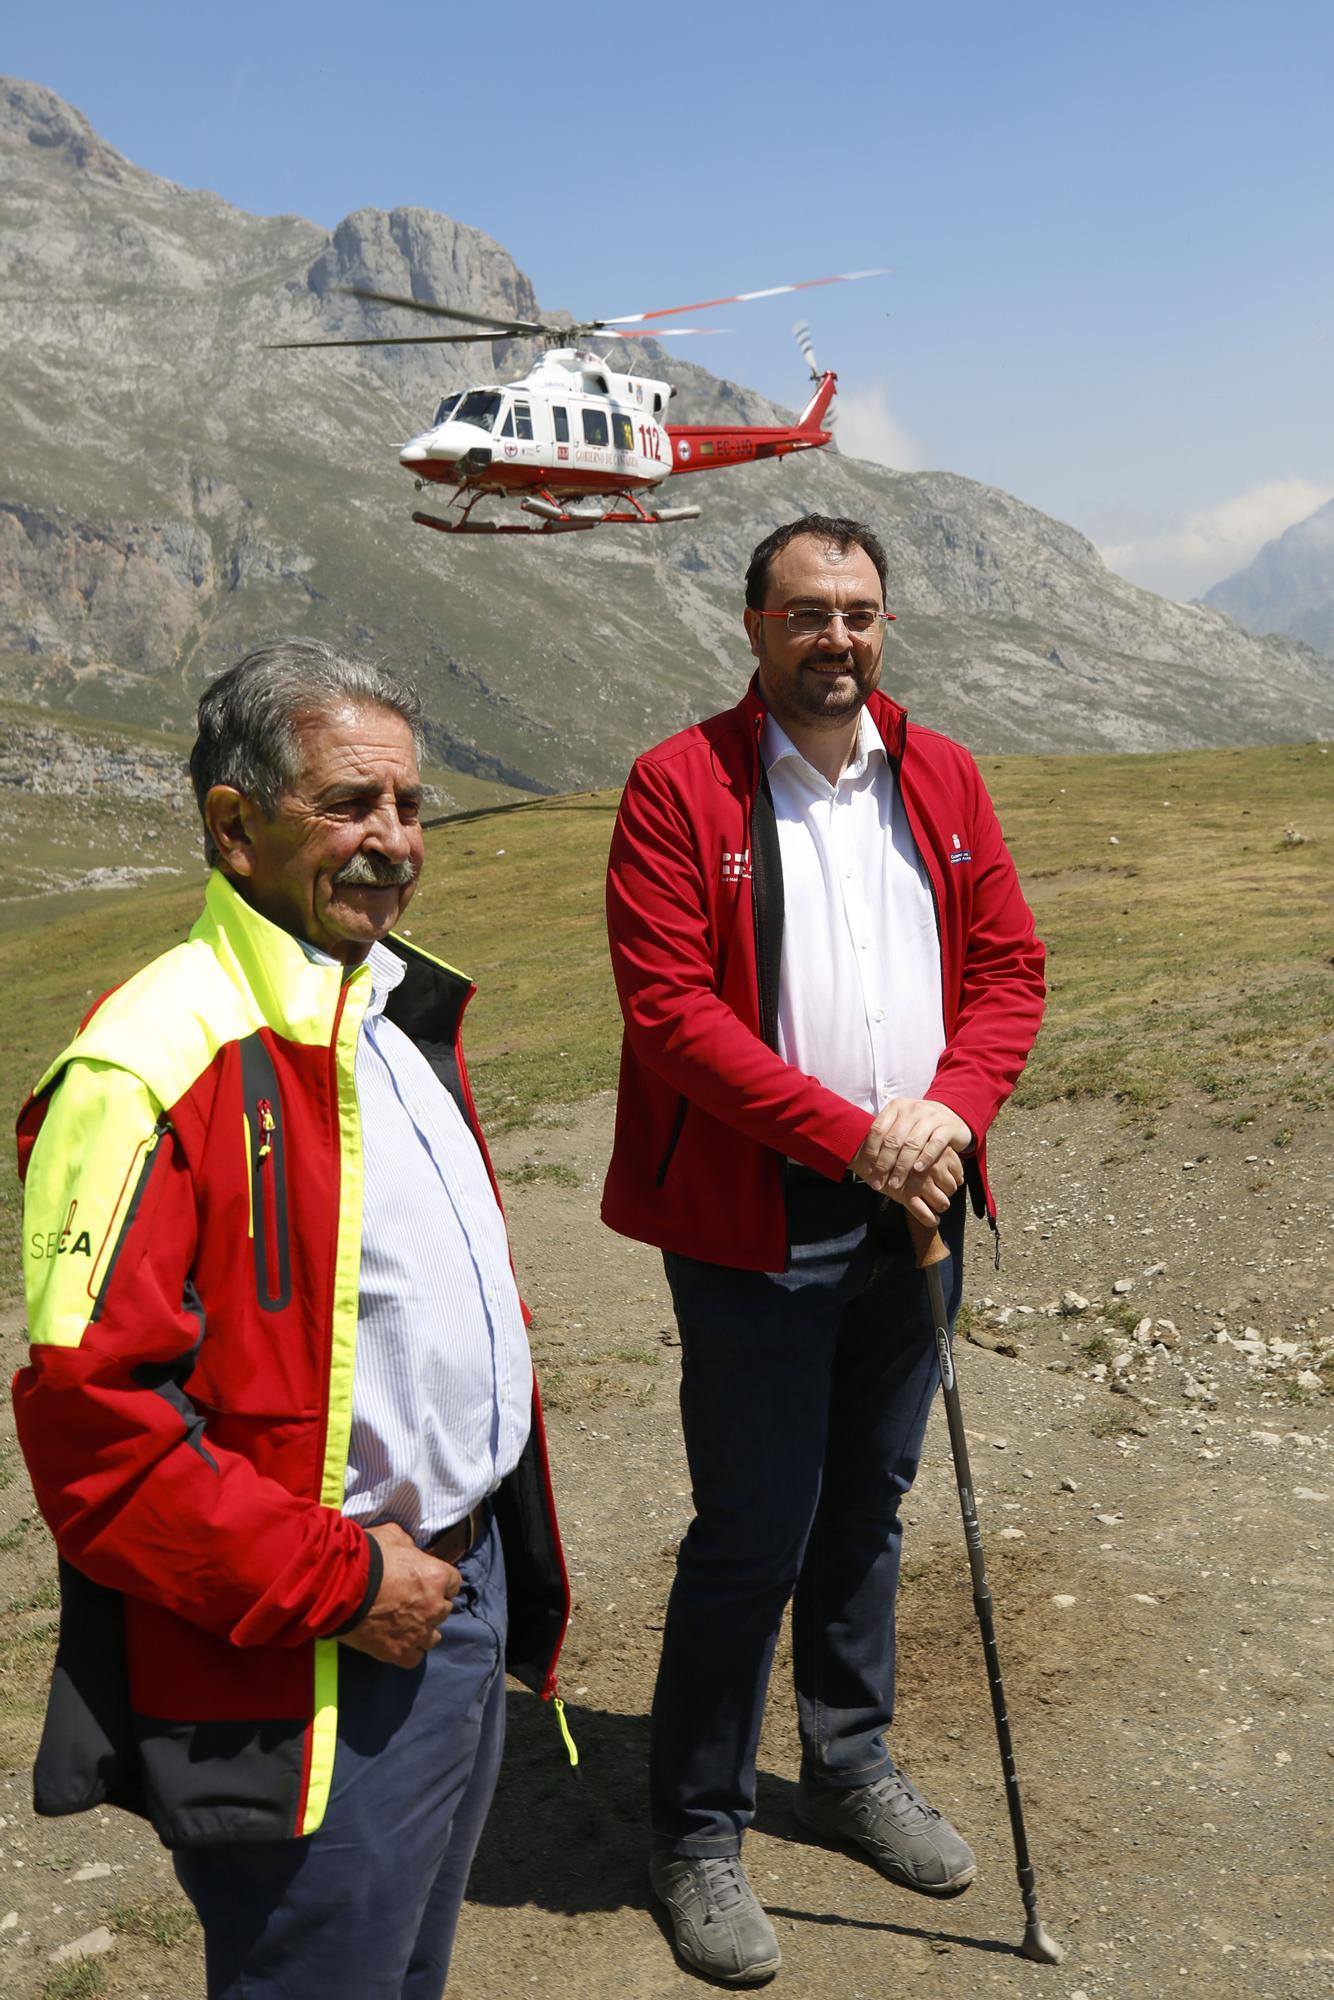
point(1160, 1560)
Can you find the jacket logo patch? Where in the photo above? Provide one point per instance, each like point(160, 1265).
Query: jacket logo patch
point(736, 865)
point(56, 1242)
point(960, 853)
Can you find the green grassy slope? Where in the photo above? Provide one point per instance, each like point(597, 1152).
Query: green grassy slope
point(1190, 941)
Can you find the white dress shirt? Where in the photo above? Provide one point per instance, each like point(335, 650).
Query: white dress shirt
point(859, 994)
point(442, 1386)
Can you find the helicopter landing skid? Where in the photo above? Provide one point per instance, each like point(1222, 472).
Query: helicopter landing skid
point(466, 527)
point(557, 520)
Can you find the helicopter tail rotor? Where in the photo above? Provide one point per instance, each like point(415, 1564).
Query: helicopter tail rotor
point(803, 337)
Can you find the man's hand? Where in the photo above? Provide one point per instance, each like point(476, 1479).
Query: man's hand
point(411, 1604)
point(911, 1154)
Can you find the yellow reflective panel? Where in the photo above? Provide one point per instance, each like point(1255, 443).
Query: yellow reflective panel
point(90, 1163)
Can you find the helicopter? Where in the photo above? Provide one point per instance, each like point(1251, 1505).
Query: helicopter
point(572, 430)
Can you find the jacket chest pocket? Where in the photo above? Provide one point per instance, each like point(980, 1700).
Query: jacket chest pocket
point(266, 1152)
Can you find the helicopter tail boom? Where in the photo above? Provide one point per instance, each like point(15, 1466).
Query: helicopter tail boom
point(703, 447)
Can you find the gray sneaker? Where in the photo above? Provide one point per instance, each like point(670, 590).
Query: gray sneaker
point(907, 1839)
point(717, 1924)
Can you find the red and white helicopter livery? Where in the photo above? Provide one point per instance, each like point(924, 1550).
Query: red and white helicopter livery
point(573, 430)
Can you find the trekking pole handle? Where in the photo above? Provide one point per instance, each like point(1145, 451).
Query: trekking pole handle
point(927, 1243)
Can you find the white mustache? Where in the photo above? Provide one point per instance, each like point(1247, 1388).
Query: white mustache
point(375, 871)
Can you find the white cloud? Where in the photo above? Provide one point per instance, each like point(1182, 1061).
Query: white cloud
point(1183, 558)
point(868, 428)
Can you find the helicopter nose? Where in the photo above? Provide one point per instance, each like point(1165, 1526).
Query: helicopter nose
point(413, 453)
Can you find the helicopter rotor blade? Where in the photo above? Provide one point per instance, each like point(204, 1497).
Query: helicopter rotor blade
point(498, 320)
point(740, 298)
point(629, 326)
point(662, 333)
point(408, 339)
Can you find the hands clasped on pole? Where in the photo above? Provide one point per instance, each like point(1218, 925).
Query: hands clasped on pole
point(911, 1154)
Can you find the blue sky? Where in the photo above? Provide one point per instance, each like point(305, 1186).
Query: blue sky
point(1109, 227)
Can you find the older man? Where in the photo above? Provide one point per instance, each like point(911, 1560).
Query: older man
point(279, 1411)
point(830, 982)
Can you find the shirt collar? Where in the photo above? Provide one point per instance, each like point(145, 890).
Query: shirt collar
point(776, 745)
point(386, 969)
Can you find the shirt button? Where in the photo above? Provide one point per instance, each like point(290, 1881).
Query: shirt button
point(879, 1014)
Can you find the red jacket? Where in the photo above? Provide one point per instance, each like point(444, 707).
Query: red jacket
point(192, 1254)
point(707, 1111)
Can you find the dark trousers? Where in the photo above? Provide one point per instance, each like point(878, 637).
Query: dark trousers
point(366, 1908)
point(804, 1400)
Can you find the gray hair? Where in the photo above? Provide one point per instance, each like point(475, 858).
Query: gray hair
point(249, 718)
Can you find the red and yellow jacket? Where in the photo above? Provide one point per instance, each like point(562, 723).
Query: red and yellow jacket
point(192, 1250)
point(707, 1111)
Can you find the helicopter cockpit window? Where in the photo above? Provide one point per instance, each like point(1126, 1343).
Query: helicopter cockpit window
point(523, 421)
point(446, 410)
point(561, 422)
point(595, 427)
point(480, 407)
point(623, 431)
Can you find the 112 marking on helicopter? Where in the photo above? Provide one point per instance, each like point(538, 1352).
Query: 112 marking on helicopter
point(573, 430)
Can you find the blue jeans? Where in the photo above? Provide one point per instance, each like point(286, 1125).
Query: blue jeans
point(804, 1401)
point(366, 1908)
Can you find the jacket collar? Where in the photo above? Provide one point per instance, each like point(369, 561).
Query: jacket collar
point(295, 993)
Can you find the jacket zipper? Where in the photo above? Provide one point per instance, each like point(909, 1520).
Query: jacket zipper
point(268, 1199)
point(161, 1125)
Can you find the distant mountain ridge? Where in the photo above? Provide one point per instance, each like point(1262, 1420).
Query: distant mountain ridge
point(170, 493)
point(1289, 586)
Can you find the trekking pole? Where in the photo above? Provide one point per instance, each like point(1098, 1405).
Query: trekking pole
point(931, 1254)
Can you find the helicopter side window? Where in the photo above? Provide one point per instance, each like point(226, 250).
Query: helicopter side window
point(523, 421)
point(595, 427)
point(623, 431)
point(480, 407)
point(446, 410)
point(562, 424)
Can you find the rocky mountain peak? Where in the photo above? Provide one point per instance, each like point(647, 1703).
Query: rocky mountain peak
point(421, 255)
point(29, 114)
point(1289, 586)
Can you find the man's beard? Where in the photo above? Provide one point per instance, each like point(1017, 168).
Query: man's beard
point(814, 695)
point(374, 871)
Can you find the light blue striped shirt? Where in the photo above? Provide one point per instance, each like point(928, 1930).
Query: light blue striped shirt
point(442, 1388)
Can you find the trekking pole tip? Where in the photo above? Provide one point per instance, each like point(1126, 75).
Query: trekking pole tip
point(1039, 1944)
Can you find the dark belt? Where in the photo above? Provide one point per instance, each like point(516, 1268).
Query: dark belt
point(812, 1177)
point(816, 1205)
point(454, 1542)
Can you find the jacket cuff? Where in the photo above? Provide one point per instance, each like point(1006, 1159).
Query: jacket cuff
point(374, 1578)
